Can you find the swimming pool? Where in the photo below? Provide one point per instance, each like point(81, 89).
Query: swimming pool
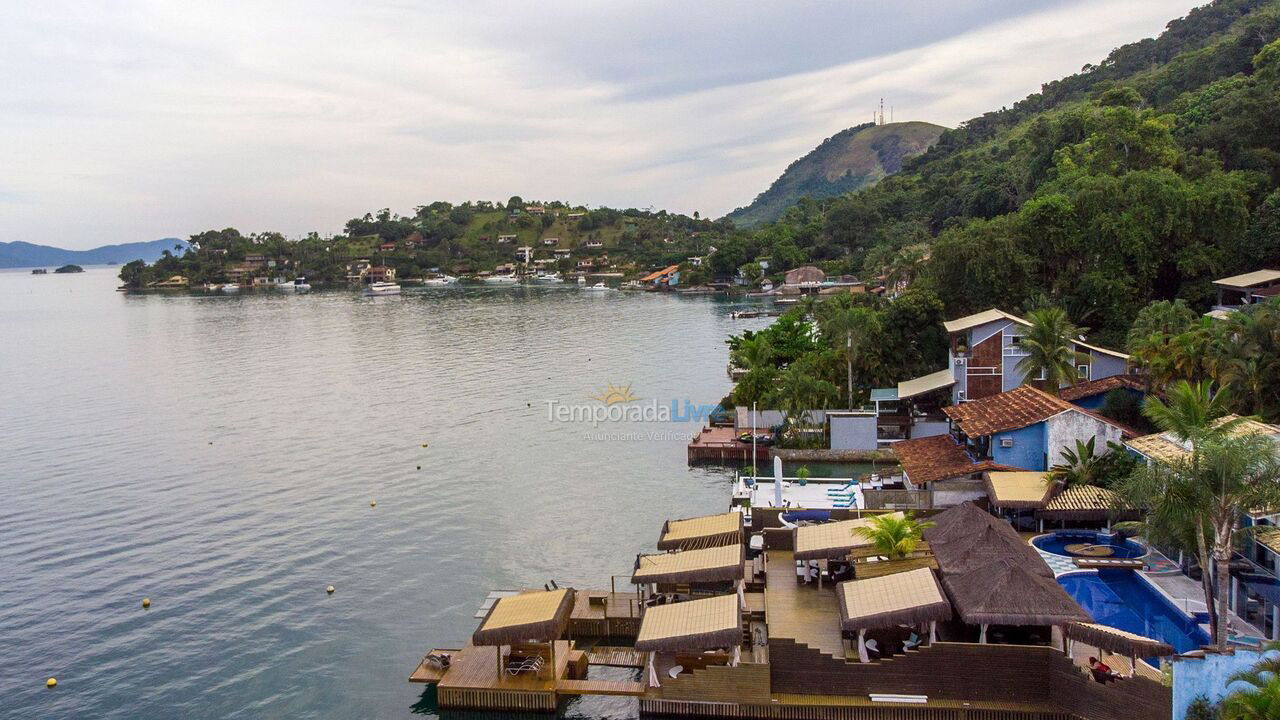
point(1122, 599)
point(1059, 543)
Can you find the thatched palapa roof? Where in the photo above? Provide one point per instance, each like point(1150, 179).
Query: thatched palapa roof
point(989, 543)
point(717, 564)
point(694, 625)
point(701, 532)
point(1085, 502)
point(904, 598)
point(1105, 637)
point(830, 541)
point(1008, 592)
point(528, 617)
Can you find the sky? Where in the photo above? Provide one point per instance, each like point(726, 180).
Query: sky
point(133, 120)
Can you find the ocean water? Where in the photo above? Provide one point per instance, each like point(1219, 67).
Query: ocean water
point(219, 456)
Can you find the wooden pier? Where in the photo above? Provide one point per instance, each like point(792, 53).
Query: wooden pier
point(721, 445)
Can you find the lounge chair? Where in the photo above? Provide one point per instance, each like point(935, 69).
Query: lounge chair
point(846, 489)
point(845, 504)
point(912, 642)
point(440, 660)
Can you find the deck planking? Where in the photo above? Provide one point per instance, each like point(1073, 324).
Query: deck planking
point(600, 687)
point(801, 612)
point(430, 673)
point(475, 668)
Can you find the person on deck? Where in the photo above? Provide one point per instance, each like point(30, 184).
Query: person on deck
point(1101, 671)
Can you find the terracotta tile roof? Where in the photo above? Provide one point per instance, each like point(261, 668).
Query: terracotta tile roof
point(1098, 387)
point(1011, 410)
point(940, 457)
point(1018, 408)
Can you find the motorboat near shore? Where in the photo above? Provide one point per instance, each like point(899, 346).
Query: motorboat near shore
point(382, 288)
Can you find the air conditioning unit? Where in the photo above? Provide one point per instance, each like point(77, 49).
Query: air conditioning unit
point(1006, 442)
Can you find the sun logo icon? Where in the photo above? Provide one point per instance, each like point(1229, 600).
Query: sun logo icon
point(615, 395)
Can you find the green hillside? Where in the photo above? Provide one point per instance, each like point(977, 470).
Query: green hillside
point(1140, 178)
point(847, 161)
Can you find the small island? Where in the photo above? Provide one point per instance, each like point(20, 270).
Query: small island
point(70, 269)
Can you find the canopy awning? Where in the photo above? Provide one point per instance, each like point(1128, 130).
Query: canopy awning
point(528, 617)
point(927, 383)
point(694, 625)
point(1018, 490)
point(717, 564)
point(904, 598)
point(701, 532)
point(1105, 637)
point(830, 541)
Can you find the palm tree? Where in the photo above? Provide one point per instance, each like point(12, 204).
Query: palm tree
point(894, 536)
point(1193, 411)
point(1261, 699)
point(853, 331)
point(1206, 490)
point(1079, 467)
point(1049, 347)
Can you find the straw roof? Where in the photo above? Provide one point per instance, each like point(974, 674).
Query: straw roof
point(533, 616)
point(1084, 502)
point(1105, 637)
point(717, 564)
point(1018, 490)
point(963, 520)
point(1163, 447)
point(1008, 592)
point(701, 532)
point(1268, 536)
point(904, 598)
point(968, 553)
point(829, 541)
point(694, 625)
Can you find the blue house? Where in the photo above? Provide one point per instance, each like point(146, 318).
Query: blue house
point(1029, 428)
point(986, 347)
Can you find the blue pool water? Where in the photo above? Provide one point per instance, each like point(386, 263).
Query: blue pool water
point(1057, 543)
point(1122, 599)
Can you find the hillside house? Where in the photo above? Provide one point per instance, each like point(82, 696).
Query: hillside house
point(551, 241)
point(1028, 428)
point(985, 349)
point(387, 247)
point(504, 239)
point(255, 259)
point(666, 277)
point(561, 253)
point(1248, 289)
point(593, 244)
point(380, 273)
point(535, 210)
point(524, 254)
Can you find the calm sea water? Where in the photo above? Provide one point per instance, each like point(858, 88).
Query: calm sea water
point(219, 455)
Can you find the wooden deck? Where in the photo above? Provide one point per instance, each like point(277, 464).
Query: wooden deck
point(600, 687)
point(475, 667)
point(721, 445)
point(801, 612)
point(430, 673)
point(616, 657)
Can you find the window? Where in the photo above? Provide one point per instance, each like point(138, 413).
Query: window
point(1015, 340)
point(1082, 372)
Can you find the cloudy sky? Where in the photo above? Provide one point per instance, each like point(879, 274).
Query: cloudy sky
point(132, 120)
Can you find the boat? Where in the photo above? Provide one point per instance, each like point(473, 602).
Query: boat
point(40, 271)
point(600, 286)
point(582, 279)
point(501, 280)
point(300, 284)
point(382, 288)
point(549, 278)
point(441, 281)
point(229, 288)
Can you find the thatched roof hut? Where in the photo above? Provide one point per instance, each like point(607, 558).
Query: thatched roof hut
point(713, 622)
point(987, 543)
point(906, 598)
point(1006, 591)
point(830, 541)
point(1018, 490)
point(701, 532)
point(1105, 637)
point(528, 617)
point(1087, 503)
point(963, 520)
point(708, 565)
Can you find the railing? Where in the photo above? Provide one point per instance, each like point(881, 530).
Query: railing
point(898, 499)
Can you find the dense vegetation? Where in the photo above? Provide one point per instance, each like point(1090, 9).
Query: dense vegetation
point(451, 238)
point(1138, 179)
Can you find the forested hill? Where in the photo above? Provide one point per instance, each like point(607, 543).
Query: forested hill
point(24, 254)
point(1142, 177)
point(849, 160)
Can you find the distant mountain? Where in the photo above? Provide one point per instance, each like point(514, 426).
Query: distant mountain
point(849, 160)
point(24, 254)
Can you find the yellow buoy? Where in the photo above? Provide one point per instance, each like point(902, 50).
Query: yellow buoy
point(424, 444)
point(373, 503)
point(146, 602)
point(51, 682)
point(329, 589)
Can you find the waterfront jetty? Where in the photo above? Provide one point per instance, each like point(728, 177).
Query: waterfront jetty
point(757, 616)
